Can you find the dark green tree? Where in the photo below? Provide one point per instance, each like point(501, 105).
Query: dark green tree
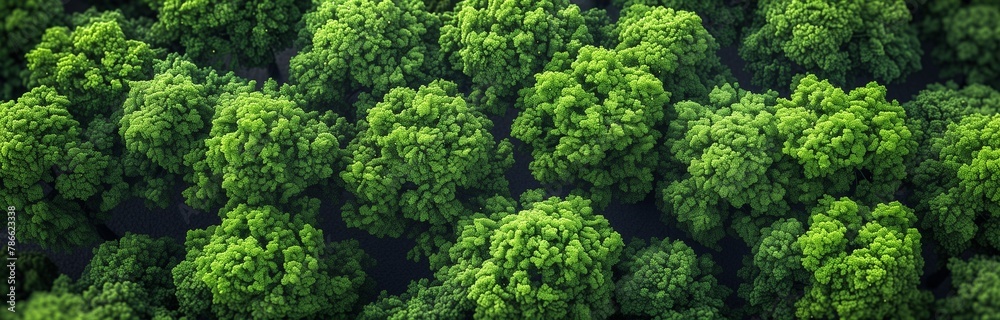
point(667, 280)
point(139, 259)
point(21, 27)
point(551, 260)
point(976, 293)
point(774, 276)
point(675, 47)
point(939, 105)
point(500, 44)
point(958, 187)
point(232, 32)
point(965, 38)
point(262, 263)
point(422, 160)
point(592, 123)
point(843, 41)
point(367, 46)
point(52, 173)
point(263, 149)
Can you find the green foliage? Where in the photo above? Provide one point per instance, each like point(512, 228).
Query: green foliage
point(721, 18)
point(419, 161)
point(240, 32)
point(592, 123)
point(263, 150)
point(732, 155)
point(138, 259)
point(976, 289)
point(91, 65)
point(22, 23)
point(365, 45)
point(934, 108)
point(194, 298)
point(837, 40)
point(774, 274)
point(960, 201)
point(50, 172)
point(500, 44)
point(551, 260)
point(966, 38)
point(855, 141)
point(112, 300)
point(423, 299)
point(865, 264)
point(676, 48)
point(667, 280)
point(262, 263)
point(166, 118)
point(35, 272)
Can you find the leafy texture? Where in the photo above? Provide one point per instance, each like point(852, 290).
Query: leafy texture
point(977, 289)
point(675, 47)
point(667, 280)
point(966, 38)
point(865, 264)
point(423, 299)
point(262, 263)
point(245, 32)
point(962, 203)
point(774, 274)
point(551, 260)
point(937, 106)
point(593, 124)
point(51, 173)
point(91, 64)
point(369, 46)
point(836, 40)
point(500, 44)
point(21, 27)
point(419, 161)
point(732, 155)
point(138, 259)
point(854, 141)
point(721, 18)
point(264, 150)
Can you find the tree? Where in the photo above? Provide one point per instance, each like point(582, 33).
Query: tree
point(965, 38)
point(676, 48)
point(667, 280)
point(961, 203)
point(593, 123)
point(734, 169)
point(92, 65)
point(237, 32)
point(423, 299)
point(21, 28)
point(976, 293)
point(263, 149)
point(167, 117)
point(551, 260)
point(113, 300)
point(864, 263)
point(855, 142)
point(421, 161)
point(370, 46)
point(837, 40)
point(138, 259)
point(774, 276)
point(52, 173)
point(265, 264)
point(500, 44)
point(934, 108)
point(722, 19)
